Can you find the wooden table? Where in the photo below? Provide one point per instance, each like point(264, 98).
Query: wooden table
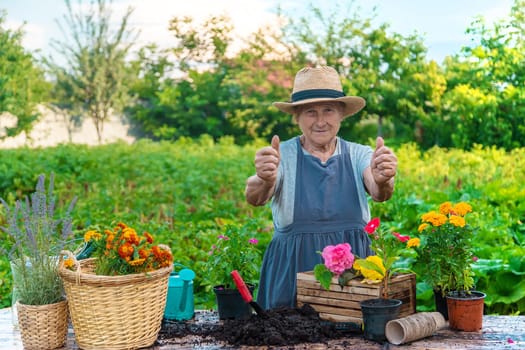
point(499, 332)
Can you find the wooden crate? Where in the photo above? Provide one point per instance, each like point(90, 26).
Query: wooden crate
point(342, 304)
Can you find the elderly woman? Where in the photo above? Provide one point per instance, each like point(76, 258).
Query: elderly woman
point(318, 184)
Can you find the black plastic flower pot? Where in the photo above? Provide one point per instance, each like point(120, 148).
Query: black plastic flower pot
point(441, 303)
point(376, 314)
point(230, 304)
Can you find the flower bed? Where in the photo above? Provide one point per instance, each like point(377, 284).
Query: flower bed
point(341, 304)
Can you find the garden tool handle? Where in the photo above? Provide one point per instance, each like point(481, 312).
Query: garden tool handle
point(241, 286)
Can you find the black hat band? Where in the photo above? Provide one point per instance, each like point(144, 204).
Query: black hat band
point(316, 93)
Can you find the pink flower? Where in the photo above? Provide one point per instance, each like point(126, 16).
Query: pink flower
point(475, 258)
point(510, 341)
point(400, 237)
point(338, 258)
point(253, 241)
point(223, 237)
point(372, 225)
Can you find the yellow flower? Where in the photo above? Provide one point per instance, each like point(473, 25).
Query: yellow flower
point(422, 227)
point(130, 235)
point(436, 219)
point(445, 208)
point(370, 274)
point(69, 263)
point(92, 235)
point(462, 209)
point(413, 242)
point(137, 262)
point(458, 221)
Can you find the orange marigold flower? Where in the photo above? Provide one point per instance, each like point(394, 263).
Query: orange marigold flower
point(144, 253)
point(149, 237)
point(458, 221)
point(157, 252)
point(462, 208)
point(125, 250)
point(130, 235)
point(121, 225)
point(436, 219)
point(445, 208)
point(109, 241)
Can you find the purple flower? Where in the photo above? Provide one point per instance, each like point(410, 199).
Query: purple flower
point(253, 241)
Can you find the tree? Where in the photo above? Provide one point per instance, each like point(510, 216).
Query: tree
point(485, 97)
point(180, 91)
point(93, 81)
point(22, 84)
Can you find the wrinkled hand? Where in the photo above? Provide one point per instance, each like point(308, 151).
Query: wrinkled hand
point(267, 161)
point(383, 163)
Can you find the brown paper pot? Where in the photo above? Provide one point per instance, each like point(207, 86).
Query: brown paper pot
point(43, 327)
point(414, 327)
point(465, 313)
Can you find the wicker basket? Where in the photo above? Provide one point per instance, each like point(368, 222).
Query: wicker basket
point(114, 312)
point(43, 326)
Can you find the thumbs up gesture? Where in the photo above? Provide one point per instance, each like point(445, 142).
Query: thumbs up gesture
point(383, 163)
point(267, 161)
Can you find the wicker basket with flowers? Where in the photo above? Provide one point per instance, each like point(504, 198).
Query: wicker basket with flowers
point(117, 297)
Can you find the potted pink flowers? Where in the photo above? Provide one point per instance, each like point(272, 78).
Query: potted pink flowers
point(340, 262)
point(378, 269)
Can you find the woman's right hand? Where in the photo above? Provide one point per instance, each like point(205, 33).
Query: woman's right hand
point(267, 161)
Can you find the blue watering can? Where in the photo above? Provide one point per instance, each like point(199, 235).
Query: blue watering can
point(179, 302)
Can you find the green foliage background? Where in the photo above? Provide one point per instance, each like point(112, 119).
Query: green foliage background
point(179, 190)
point(182, 184)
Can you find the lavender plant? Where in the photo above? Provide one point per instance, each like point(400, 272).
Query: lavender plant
point(37, 234)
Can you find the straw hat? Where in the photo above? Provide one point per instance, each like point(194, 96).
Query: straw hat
point(318, 85)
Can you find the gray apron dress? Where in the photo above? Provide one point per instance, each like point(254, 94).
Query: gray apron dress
point(326, 212)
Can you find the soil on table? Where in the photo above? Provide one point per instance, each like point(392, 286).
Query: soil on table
point(281, 326)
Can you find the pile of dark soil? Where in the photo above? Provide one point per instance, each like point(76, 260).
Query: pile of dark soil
point(282, 326)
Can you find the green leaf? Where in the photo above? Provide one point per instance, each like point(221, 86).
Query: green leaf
point(517, 265)
point(371, 266)
point(323, 275)
point(347, 276)
point(506, 288)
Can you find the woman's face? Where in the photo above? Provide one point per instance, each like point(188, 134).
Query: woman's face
point(320, 121)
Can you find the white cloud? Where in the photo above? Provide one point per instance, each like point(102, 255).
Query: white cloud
point(152, 17)
point(34, 37)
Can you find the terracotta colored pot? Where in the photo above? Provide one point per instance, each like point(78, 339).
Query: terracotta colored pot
point(465, 311)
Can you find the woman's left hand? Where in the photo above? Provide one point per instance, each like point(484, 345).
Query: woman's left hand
point(383, 163)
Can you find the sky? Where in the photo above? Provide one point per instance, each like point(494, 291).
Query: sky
point(442, 23)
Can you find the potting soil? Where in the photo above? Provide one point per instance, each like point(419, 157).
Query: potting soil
point(281, 326)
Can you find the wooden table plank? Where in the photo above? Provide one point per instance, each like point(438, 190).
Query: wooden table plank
point(499, 332)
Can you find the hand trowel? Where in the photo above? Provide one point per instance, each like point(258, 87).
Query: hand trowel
point(245, 293)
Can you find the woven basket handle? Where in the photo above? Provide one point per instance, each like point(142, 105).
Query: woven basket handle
point(76, 264)
point(69, 255)
point(165, 247)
